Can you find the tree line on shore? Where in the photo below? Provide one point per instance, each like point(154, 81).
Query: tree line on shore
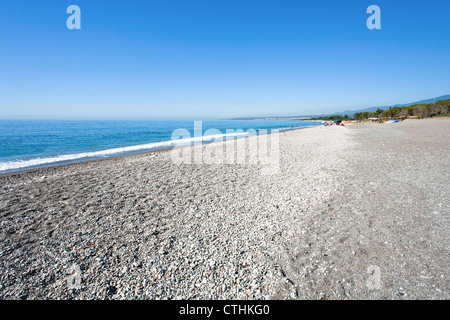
point(438, 108)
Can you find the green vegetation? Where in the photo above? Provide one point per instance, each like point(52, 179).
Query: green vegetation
point(439, 108)
point(332, 118)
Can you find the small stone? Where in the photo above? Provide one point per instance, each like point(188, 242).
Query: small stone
point(112, 290)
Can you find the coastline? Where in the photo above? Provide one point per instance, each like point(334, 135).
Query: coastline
point(140, 227)
point(125, 154)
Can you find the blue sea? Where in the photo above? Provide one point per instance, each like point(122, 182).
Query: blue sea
point(26, 144)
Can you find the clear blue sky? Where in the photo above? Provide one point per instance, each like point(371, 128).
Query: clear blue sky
point(218, 58)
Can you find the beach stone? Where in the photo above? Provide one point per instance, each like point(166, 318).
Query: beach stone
point(344, 199)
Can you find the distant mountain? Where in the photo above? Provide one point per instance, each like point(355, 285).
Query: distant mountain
point(446, 97)
point(350, 113)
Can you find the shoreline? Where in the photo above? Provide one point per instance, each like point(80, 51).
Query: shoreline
point(126, 154)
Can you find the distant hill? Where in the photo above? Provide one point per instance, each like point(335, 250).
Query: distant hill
point(350, 113)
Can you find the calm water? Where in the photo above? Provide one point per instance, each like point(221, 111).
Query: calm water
point(26, 143)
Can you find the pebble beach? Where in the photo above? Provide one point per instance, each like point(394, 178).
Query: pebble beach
point(345, 201)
